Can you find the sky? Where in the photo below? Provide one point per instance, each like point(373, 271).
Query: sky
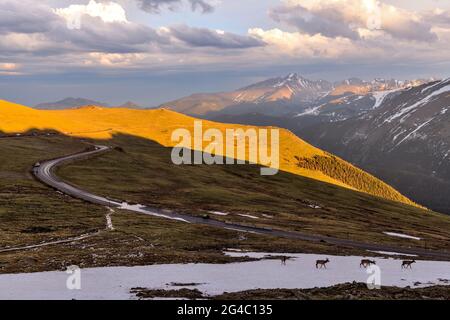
point(154, 51)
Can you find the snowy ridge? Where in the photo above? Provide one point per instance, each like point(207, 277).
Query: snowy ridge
point(413, 132)
point(404, 112)
point(380, 97)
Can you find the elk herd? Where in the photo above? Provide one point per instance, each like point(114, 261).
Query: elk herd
point(365, 263)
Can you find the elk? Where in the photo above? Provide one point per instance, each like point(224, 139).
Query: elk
point(408, 264)
point(283, 260)
point(366, 263)
point(322, 263)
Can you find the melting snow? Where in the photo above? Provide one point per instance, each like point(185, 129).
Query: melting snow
point(234, 250)
point(248, 216)
point(402, 131)
point(142, 209)
point(388, 253)
point(414, 132)
point(300, 272)
point(418, 104)
point(311, 111)
point(431, 86)
point(218, 213)
point(380, 96)
point(400, 235)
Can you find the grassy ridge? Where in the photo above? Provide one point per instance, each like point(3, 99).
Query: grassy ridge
point(158, 125)
point(350, 175)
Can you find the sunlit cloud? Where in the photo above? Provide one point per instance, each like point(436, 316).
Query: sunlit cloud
point(108, 12)
point(352, 18)
point(8, 66)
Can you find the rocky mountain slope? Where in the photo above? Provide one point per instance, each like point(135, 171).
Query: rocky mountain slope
point(405, 141)
point(292, 95)
point(400, 135)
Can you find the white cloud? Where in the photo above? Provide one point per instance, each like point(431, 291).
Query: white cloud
point(300, 46)
point(108, 12)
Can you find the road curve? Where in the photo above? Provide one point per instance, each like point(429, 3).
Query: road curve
point(45, 173)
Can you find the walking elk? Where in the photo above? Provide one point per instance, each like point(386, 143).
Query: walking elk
point(322, 263)
point(366, 263)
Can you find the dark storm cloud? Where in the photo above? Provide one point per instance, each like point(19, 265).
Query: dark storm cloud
point(31, 28)
point(327, 22)
point(98, 36)
point(155, 6)
point(25, 17)
point(201, 37)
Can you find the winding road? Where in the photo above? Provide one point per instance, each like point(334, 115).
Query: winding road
point(45, 173)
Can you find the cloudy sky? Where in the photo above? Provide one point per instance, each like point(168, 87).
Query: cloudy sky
point(152, 51)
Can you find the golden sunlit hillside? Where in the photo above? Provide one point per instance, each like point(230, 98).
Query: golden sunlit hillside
point(296, 156)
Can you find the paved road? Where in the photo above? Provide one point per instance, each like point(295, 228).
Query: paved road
point(45, 174)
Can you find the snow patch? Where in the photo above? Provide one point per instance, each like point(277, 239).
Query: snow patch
point(418, 104)
point(412, 133)
point(311, 111)
point(380, 96)
point(247, 216)
point(299, 273)
point(388, 253)
point(142, 209)
point(218, 213)
point(401, 235)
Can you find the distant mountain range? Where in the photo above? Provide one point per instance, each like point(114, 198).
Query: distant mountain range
point(399, 132)
point(286, 95)
point(71, 103)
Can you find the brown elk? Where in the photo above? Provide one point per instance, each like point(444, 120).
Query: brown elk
point(283, 260)
point(322, 263)
point(366, 263)
point(408, 264)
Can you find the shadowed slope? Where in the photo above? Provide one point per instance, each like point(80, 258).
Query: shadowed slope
point(158, 125)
